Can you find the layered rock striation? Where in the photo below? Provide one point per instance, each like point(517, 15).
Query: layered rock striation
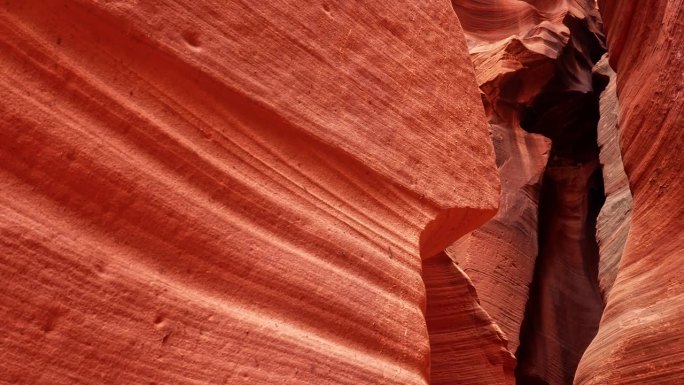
point(533, 62)
point(466, 345)
point(640, 336)
point(307, 193)
point(231, 193)
point(614, 220)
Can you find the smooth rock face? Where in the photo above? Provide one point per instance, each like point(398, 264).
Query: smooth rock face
point(466, 346)
point(613, 222)
point(640, 337)
point(216, 192)
point(305, 193)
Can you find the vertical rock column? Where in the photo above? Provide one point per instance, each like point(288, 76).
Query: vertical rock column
point(614, 220)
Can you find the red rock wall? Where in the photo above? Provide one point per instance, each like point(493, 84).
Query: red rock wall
point(216, 192)
point(231, 193)
point(640, 337)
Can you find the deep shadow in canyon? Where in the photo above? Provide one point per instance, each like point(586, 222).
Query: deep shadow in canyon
point(548, 89)
point(565, 305)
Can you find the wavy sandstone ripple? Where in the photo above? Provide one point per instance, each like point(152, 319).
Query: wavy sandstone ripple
point(230, 193)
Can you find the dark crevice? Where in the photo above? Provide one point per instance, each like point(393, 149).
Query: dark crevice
point(558, 97)
point(565, 305)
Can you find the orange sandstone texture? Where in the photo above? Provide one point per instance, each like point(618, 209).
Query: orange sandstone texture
point(640, 339)
point(216, 192)
point(466, 346)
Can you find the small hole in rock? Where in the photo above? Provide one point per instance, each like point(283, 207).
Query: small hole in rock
point(192, 38)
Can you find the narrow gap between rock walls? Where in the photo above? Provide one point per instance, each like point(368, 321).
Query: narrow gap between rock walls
point(565, 305)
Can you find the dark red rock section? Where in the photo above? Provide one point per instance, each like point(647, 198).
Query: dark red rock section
point(223, 192)
point(640, 337)
point(565, 302)
point(534, 63)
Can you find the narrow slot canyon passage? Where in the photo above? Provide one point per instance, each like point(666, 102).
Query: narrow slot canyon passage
point(532, 273)
point(565, 304)
point(544, 114)
point(461, 192)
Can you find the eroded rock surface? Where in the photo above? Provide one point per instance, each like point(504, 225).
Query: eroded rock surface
point(565, 303)
point(466, 346)
point(520, 51)
point(640, 337)
point(224, 192)
point(613, 222)
point(216, 192)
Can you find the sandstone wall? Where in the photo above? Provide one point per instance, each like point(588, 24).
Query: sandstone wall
point(224, 192)
point(640, 339)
